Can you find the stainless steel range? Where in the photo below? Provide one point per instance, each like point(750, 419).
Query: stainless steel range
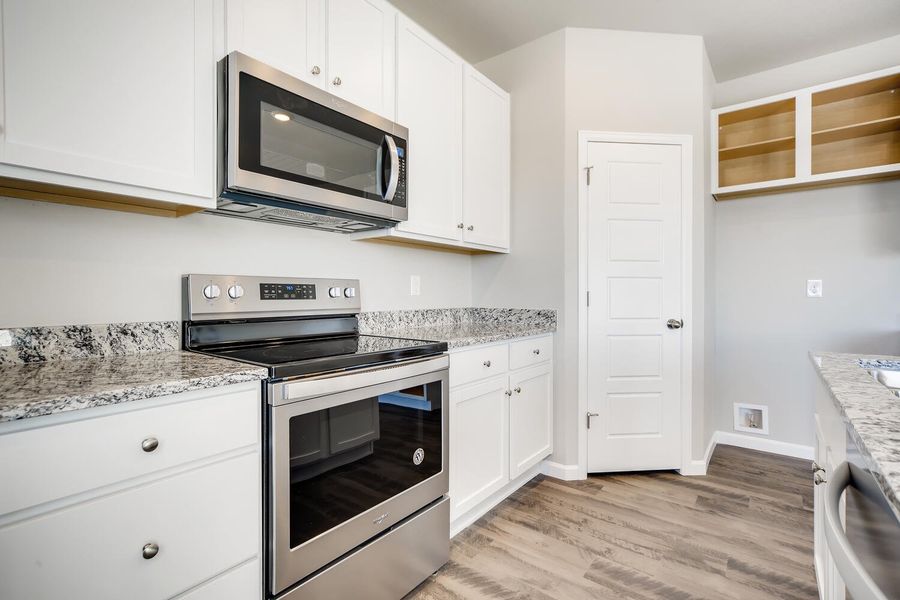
point(355, 430)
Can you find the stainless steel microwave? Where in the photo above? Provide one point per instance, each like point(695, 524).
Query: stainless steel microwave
point(293, 154)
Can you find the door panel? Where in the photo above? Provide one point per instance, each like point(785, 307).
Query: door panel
point(634, 274)
point(485, 161)
point(530, 418)
point(361, 43)
point(429, 103)
point(479, 464)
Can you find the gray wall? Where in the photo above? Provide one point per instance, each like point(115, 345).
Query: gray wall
point(767, 247)
point(65, 265)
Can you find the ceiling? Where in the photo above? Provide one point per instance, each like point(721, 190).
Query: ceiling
point(742, 36)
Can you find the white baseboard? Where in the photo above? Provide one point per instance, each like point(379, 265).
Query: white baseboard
point(699, 467)
point(560, 471)
point(763, 444)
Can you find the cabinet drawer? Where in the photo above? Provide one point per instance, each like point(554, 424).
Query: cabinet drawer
point(478, 363)
point(47, 463)
point(242, 583)
point(204, 521)
point(525, 353)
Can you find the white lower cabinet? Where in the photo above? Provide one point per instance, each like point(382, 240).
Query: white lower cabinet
point(501, 423)
point(170, 527)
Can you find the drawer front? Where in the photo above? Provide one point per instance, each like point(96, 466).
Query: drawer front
point(47, 463)
point(479, 363)
point(525, 353)
point(242, 583)
point(204, 521)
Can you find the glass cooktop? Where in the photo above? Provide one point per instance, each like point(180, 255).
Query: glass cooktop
point(321, 355)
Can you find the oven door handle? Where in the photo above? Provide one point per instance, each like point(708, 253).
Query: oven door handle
point(314, 387)
point(854, 574)
point(394, 177)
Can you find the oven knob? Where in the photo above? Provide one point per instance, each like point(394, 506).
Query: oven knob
point(235, 292)
point(349, 292)
point(211, 292)
point(334, 292)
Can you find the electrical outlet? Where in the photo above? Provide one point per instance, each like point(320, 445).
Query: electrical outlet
point(814, 288)
point(415, 285)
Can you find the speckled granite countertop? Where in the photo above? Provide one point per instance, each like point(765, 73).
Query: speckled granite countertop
point(47, 370)
point(871, 412)
point(460, 327)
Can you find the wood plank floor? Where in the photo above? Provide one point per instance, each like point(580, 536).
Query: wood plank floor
point(744, 531)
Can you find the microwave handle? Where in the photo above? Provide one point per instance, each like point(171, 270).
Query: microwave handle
point(395, 169)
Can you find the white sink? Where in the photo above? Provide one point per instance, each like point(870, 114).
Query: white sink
point(888, 378)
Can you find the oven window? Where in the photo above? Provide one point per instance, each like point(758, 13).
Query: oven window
point(347, 459)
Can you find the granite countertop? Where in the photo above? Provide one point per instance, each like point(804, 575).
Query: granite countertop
point(460, 327)
point(48, 370)
point(871, 412)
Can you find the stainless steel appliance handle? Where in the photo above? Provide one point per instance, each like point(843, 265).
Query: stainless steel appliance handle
point(313, 387)
point(395, 169)
point(854, 574)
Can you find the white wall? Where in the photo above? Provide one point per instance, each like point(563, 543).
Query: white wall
point(65, 265)
point(767, 248)
point(822, 69)
point(614, 81)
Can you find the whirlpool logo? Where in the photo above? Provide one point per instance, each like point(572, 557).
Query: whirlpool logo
point(418, 456)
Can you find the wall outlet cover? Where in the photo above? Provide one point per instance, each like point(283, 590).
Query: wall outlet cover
point(751, 418)
point(814, 288)
point(415, 285)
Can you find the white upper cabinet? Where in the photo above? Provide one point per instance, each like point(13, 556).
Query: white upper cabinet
point(285, 34)
point(485, 161)
point(429, 104)
point(116, 100)
point(361, 41)
point(345, 47)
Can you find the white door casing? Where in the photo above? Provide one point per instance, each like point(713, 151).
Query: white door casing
point(634, 276)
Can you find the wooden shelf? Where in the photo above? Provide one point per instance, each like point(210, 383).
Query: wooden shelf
point(856, 130)
point(757, 168)
point(763, 147)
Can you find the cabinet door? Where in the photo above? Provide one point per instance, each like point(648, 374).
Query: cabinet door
point(113, 95)
point(286, 34)
point(530, 418)
point(361, 45)
point(429, 103)
point(479, 463)
point(485, 161)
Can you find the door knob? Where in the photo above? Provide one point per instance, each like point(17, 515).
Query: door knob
point(674, 323)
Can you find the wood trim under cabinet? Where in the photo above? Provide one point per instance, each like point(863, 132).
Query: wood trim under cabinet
point(59, 194)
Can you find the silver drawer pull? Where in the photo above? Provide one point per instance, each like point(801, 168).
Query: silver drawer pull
point(487, 363)
point(537, 350)
point(150, 444)
point(149, 551)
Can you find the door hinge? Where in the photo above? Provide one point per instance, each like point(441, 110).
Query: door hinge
point(588, 169)
point(588, 298)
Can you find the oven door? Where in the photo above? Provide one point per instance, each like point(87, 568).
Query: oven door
point(350, 456)
point(288, 139)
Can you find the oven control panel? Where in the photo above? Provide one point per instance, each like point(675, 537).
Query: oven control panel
point(207, 297)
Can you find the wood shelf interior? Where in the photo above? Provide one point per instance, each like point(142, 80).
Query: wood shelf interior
point(856, 126)
point(758, 143)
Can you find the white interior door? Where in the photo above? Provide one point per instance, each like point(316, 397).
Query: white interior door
point(634, 278)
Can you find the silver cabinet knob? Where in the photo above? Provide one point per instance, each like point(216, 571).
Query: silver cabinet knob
point(508, 392)
point(315, 70)
point(337, 81)
point(816, 468)
point(537, 350)
point(818, 478)
point(460, 225)
point(487, 363)
point(149, 551)
point(674, 323)
point(518, 390)
point(150, 444)
point(471, 228)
